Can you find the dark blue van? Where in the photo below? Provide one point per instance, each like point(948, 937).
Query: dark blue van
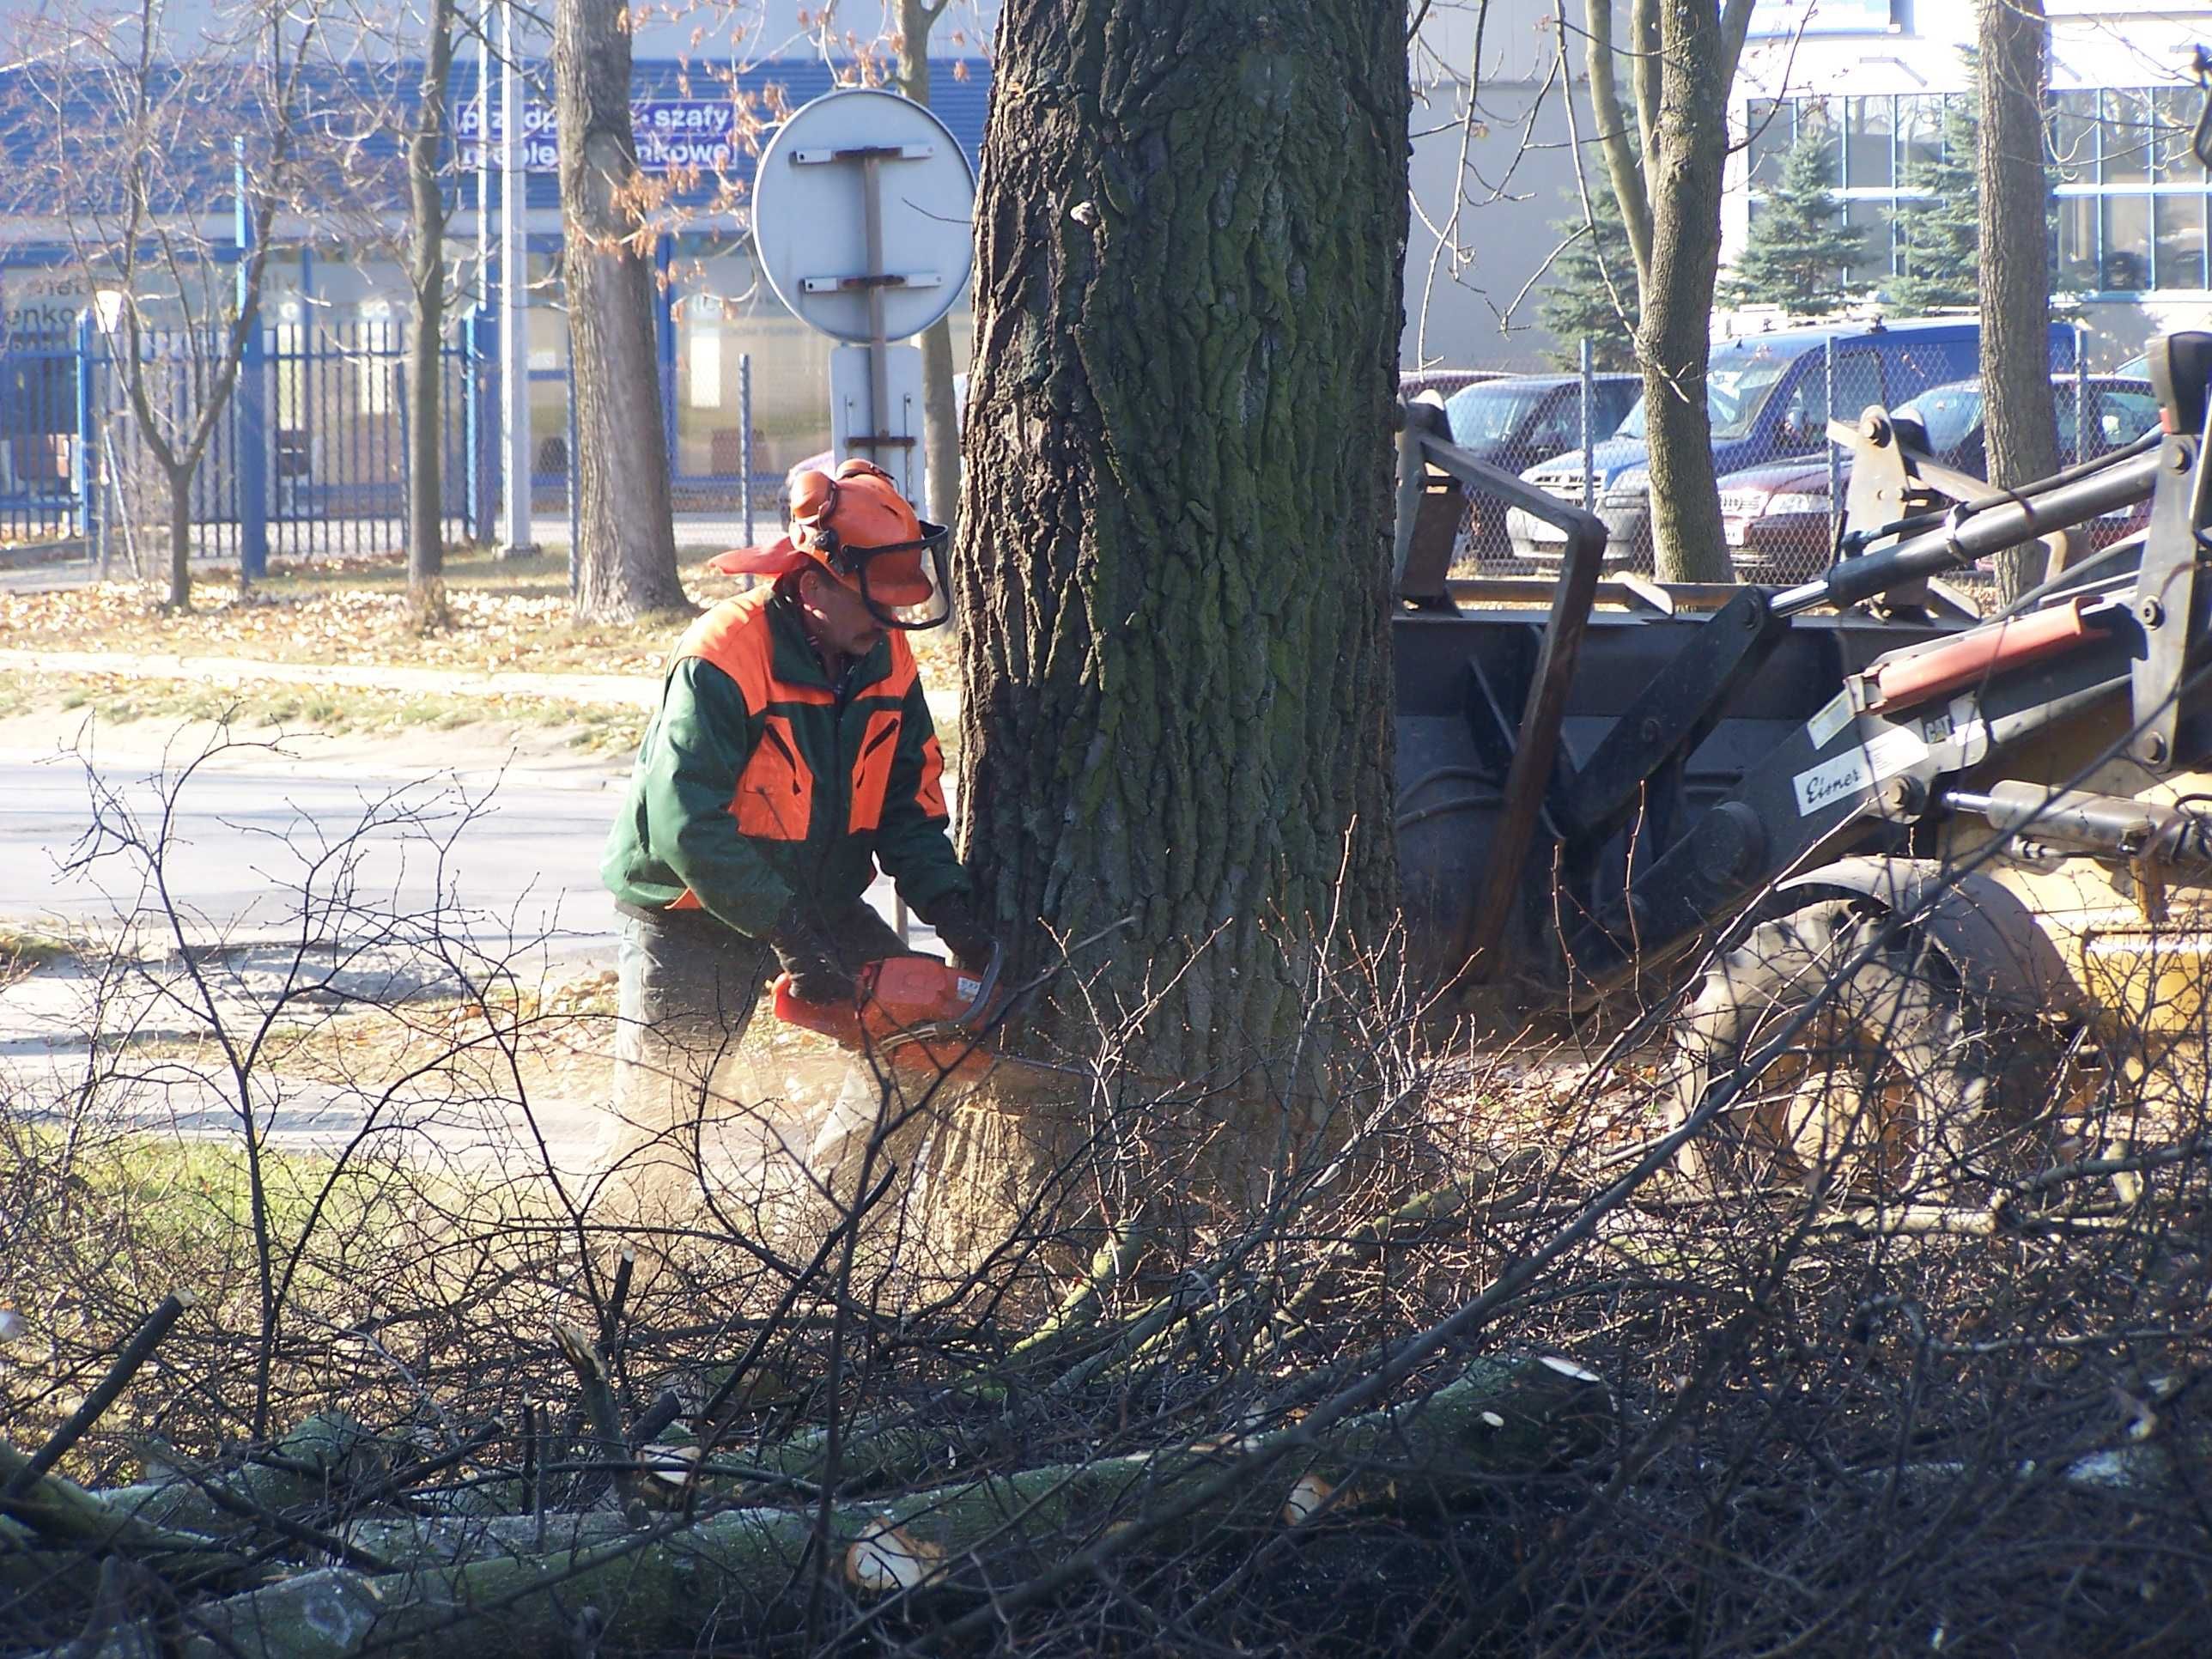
point(1767, 395)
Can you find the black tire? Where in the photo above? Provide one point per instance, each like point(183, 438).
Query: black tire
point(1894, 1090)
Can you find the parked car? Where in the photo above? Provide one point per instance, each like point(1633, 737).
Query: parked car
point(1515, 423)
point(1444, 382)
point(1778, 517)
point(1767, 396)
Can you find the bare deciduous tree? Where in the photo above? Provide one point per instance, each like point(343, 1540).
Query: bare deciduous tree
point(427, 212)
point(626, 557)
point(1666, 170)
point(147, 126)
point(2011, 71)
point(940, 420)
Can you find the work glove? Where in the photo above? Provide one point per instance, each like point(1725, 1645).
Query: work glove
point(963, 931)
point(804, 950)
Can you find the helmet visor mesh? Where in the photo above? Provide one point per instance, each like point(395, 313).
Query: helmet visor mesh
point(902, 590)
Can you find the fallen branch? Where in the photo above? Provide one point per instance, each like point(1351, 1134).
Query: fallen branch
point(512, 1595)
point(601, 1410)
point(136, 1352)
point(308, 1467)
point(63, 1514)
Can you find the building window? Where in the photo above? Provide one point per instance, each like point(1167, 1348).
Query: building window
point(1919, 134)
point(2173, 119)
point(2180, 251)
point(1772, 132)
point(1867, 124)
point(1817, 119)
point(2124, 223)
point(2130, 203)
point(2124, 143)
point(2077, 243)
point(2073, 136)
point(1875, 261)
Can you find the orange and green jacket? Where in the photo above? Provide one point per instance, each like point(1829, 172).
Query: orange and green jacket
point(758, 781)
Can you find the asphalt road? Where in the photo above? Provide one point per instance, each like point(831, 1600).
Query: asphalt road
point(246, 847)
point(256, 853)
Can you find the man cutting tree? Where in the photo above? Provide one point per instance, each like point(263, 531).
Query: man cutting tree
point(793, 753)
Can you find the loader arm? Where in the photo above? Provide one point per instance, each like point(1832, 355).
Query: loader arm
point(1886, 746)
point(1536, 742)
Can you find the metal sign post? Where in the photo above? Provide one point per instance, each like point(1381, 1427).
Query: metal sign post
point(516, 540)
point(253, 395)
point(860, 223)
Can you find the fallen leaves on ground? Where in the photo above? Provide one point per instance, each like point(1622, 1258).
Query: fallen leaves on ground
point(365, 625)
point(356, 611)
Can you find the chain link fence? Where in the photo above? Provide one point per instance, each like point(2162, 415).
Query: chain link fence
point(1783, 485)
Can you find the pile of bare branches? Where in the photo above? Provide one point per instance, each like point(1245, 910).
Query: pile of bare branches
point(1489, 1366)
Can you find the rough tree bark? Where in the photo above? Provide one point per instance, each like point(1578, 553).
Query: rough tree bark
point(2012, 67)
point(1173, 551)
point(626, 552)
point(426, 282)
point(1666, 174)
point(940, 426)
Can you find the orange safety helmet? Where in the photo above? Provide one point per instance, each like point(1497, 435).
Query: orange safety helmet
point(859, 528)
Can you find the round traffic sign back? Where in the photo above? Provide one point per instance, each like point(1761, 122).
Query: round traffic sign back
point(811, 213)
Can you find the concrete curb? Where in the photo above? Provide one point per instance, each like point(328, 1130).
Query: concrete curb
point(42, 556)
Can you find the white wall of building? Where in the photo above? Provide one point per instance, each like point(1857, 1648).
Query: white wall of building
point(1492, 173)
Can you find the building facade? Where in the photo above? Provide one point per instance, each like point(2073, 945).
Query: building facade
point(1871, 81)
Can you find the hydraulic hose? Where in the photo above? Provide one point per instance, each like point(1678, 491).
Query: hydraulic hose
point(1972, 533)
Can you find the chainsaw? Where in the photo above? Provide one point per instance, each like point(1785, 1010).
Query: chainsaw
point(925, 1018)
point(917, 1015)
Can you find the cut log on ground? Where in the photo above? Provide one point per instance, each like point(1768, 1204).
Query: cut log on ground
point(489, 1588)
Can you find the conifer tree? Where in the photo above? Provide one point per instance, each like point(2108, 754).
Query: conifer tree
point(1940, 232)
point(1798, 247)
point(1590, 285)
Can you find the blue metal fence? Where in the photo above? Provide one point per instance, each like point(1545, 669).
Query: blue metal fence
point(307, 459)
point(308, 456)
point(39, 437)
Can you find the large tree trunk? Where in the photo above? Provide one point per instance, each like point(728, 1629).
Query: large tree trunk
point(426, 275)
point(2021, 418)
point(519, 1585)
point(626, 552)
point(941, 425)
point(1174, 529)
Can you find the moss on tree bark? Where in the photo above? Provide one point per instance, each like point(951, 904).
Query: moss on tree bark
point(1173, 559)
point(514, 1585)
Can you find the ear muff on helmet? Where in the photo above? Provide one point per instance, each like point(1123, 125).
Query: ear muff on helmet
point(861, 530)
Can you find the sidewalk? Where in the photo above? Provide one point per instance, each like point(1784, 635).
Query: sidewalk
point(591, 690)
point(587, 691)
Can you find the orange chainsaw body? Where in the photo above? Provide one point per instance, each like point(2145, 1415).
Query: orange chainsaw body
point(914, 1014)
